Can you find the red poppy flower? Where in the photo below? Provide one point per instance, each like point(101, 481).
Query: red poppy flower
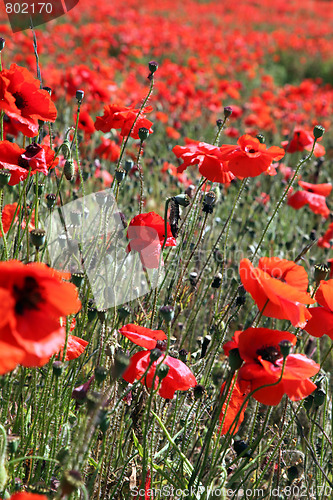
point(179, 377)
point(75, 347)
point(18, 161)
point(23, 495)
point(86, 123)
point(314, 196)
point(144, 337)
point(33, 299)
point(250, 158)
point(122, 117)
point(209, 159)
point(325, 241)
point(321, 322)
point(146, 232)
point(301, 141)
point(8, 213)
point(108, 150)
point(280, 287)
point(259, 348)
point(230, 409)
point(23, 100)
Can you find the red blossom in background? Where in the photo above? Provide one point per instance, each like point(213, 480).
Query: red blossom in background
point(209, 159)
point(279, 288)
point(325, 241)
point(108, 150)
point(121, 117)
point(230, 409)
point(314, 196)
point(8, 213)
point(75, 347)
point(302, 140)
point(22, 99)
point(250, 158)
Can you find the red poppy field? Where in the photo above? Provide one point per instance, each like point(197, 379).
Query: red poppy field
point(166, 264)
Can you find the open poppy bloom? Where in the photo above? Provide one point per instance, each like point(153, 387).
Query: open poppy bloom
point(321, 322)
point(279, 288)
point(146, 235)
point(144, 337)
point(108, 149)
point(179, 377)
point(86, 123)
point(22, 99)
point(302, 140)
point(19, 161)
point(33, 298)
point(230, 409)
point(8, 213)
point(313, 195)
point(209, 159)
point(325, 241)
point(263, 361)
point(122, 117)
point(250, 158)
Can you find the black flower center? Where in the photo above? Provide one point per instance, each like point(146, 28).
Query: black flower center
point(27, 297)
point(31, 151)
point(269, 353)
point(20, 102)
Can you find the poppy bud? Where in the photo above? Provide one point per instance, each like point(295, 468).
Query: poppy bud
point(128, 165)
point(62, 455)
point(183, 355)
point(93, 400)
point(318, 131)
point(153, 66)
point(261, 138)
point(103, 420)
point(218, 256)
point(155, 354)
point(319, 397)
point(235, 361)
point(69, 170)
point(100, 374)
point(199, 391)
point(50, 200)
point(57, 368)
point(217, 281)
point(182, 199)
point(205, 343)
point(209, 202)
point(77, 279)
point(193, 278)
point(71, 481)
point(167, 313)
point(190, 190)
point(292, 473)
point(13, 443)
point(320, 272)
point(79, 96)
point(240, 446)
point(101, 313)
point(219, 123)
point(123, 312)
point(227, 111)
point(285, 348)
point(121, 362)
point(37, 237)
point(308, 401)
point(143, 134)
point(92, 312)
point(2, 43)
point(162, 371)
point(120, 175)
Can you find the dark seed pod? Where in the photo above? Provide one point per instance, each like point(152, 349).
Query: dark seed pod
point(174, 217)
